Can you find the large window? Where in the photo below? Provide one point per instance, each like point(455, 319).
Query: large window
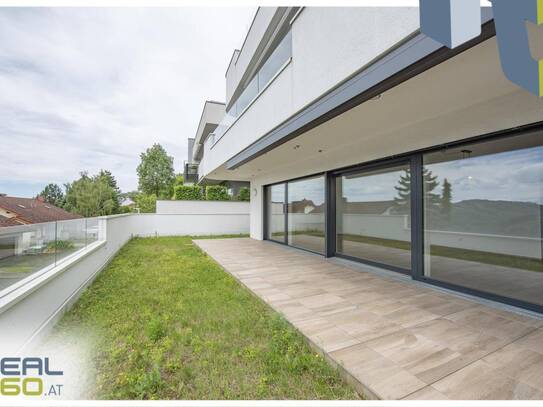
point(306, 214)
point(483, 217)
point(276, 206)
point(373, 212)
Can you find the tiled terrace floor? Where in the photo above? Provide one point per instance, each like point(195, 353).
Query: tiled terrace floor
point(396, 338)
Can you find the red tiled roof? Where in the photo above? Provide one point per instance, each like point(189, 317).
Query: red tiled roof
point(8, 222)
point(30, 210)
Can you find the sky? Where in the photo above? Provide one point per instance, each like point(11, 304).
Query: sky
point(90, 89)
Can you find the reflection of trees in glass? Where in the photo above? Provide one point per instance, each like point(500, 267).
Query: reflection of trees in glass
point(403, 201)
point(446, 198)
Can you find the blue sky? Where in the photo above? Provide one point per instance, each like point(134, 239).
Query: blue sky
point(85, 89)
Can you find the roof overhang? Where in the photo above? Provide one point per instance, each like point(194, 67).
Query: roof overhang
point(409, 59)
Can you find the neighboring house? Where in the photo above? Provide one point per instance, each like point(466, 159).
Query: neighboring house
point(23, 211)
point(128, 203)
point(356, 108)
point(212, 116)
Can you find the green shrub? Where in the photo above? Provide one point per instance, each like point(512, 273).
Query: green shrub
point(187, 193)
point(146, 203)
point(59, 245)
point(217, 193)
point(244, 194)
point(179, 180)
point(125, 209)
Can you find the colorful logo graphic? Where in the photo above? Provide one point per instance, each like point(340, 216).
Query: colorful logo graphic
point(453, 22)
point(28, 377)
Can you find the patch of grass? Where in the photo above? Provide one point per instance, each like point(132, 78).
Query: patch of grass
point(496, 259)
point(168, 323)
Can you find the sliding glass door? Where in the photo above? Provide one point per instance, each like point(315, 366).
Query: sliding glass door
point(468, 216)
point(295, 213)
point(373, 216)
point(276, 212)
point(483, 217)
point(306, 214)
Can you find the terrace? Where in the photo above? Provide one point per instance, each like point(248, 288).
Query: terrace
point(198, 332)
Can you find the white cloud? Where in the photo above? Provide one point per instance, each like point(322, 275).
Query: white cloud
point(84, 89)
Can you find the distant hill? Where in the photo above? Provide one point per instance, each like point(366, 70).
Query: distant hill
point(492, 217)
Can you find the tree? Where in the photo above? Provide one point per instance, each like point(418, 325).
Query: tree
point(108, 178)
point(402, 202)
point(446, 197)
point(53, 194)
point(146, 203)
point(91, 196)
point(155, 172)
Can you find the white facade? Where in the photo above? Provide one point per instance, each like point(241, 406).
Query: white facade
point(328, 46)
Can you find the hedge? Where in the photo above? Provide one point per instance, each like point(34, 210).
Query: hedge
point(217, 193)
point(188, 193)
point(244, 194)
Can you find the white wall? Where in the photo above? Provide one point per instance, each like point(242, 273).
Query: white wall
point(31, 310)
point(202, 207)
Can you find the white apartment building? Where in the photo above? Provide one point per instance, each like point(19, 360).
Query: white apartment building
point(365, 139)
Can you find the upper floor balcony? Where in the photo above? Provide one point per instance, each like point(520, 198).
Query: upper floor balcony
point(294, 62)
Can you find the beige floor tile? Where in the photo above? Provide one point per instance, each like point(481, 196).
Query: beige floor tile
point(480, 381)
point(533, 341)
point(409, 315)
point(387, 379)
point(321, 300)
point(518, 363)
point(332, 339)
point(355, 356)
point(485, 321)
point(426, 393)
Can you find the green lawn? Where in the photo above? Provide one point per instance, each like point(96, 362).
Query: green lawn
point(167, 322)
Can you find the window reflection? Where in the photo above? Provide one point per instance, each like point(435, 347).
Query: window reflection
point(306, 210)
point(276, 212)
point(483, 226)
point(373, 216)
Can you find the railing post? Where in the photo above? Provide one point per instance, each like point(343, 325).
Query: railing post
point(56, 241)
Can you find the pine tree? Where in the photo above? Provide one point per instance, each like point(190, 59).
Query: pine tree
point(446, 197)
point(402, 202)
